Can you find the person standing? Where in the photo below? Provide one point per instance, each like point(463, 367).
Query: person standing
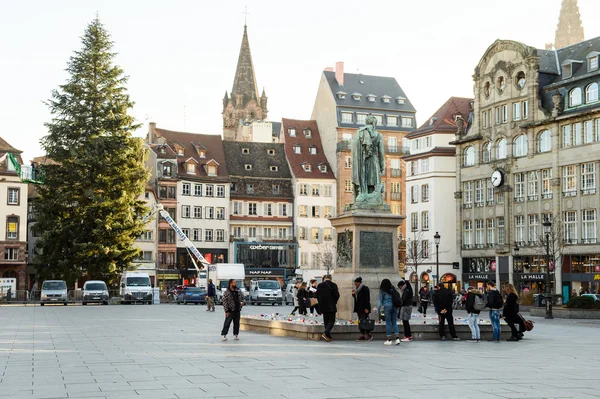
point(302, 299)
point(424, 299)
point(362, 306)
point(433, 294)
point(211, 292)
point(494, 303)
point(443, 302)
point(328, 295)
point(406, 297)
point(386, 302)
point(33, 291)
point(312, 293)
point(473, 313)
point(511, 313)
point(233, 302)
point(295, 299)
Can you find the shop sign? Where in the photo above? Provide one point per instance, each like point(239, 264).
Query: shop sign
point(533, 277)
point(169, 276)
point(597, 277)
point(267, 247)
point(478, 277)
point(264, 272)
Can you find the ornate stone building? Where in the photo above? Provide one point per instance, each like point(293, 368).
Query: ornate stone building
point(243, 104)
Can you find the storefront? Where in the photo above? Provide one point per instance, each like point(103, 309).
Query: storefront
point(267, 255)
point(534, 283)
point(476, 271)
point(581, 273)
point(253, 273)
point(167, 279)
point(425, 280)
point(477, 280)
point(215, 255)
point(450, 281)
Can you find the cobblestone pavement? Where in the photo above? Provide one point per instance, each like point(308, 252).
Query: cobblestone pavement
point(171, 351)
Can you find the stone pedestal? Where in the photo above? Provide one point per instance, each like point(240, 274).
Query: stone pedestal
point(367, 246)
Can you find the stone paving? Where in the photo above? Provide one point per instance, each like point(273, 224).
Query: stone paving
point(170, 351)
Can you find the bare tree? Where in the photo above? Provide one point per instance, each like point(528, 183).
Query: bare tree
point(417, 252)
point(327, 255)
point(556, 240)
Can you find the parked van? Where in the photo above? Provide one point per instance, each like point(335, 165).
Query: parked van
point(95, 291)
point(136, 287)
point(54, 291)
point(225, 271)
point(265, 291)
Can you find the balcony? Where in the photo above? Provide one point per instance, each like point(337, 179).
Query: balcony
point(467, 246)
point(532, 198)
point(586, 191)
point(589, 240)
point(570, 193)
point(396, 196)
point(397, 149)
point(490, 203)
point(519, 199)
point(547, 196)
point(479, 204)
point(468, 206)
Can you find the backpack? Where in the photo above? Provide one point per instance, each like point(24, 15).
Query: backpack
point(479, 304)
point(396, 300)
point(497, 301)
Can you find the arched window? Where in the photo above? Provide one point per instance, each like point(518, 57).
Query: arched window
point(591, 93)
point(520, 146)
point(500, 84)
point(544, 141)
point(486, 152)
point(521, 80)
point(575, 97)
point(469, 156)
point(501, 149)
point(486, 89)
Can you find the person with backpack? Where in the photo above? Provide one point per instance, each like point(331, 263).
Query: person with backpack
point(494, 303)
point(389, 300)
point(328, 295)
point(511, 314)
point(406, 297)
point(474, 304)
point(443, 302)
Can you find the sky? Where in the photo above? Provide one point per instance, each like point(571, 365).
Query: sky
point(181, 55)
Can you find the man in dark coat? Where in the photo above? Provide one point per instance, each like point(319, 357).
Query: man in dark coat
point(210, 296)
point(328, 295)
point(233, 302)
point(362, 306)
point(443, 303)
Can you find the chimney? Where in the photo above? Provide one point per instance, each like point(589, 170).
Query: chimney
point(339, 72)
point(329, 69)
point(152, 139)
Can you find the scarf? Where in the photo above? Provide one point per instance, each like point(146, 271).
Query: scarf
point(358, 289)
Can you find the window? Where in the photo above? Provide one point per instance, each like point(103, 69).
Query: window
point(146, 236)
point(252, 209)
point(479, 237)
point(425, 164)
point(346, 117)
point(392, 145)
point(588, 132)
point(500, 223)
point(588, 178)
point(592, 63)
point(167, 170)
point(468, 194)
point(283, 210)
point(316, 259)
point(283, 233)
point(489, 192)
point(546, 183)
point(306, 167)
point(327, 236)
point(566, 136)
point(208, 235)
point(424, 192)
point(588, 228)
point(467, 234)
point(414, 194)
point(504, 110)
point(575, 97)
point(469, 156)
point(479, 193)
point(210, 190)
point(570, 227)
point(292, 130)
point(501, 149)
point(486, 90)
point(314, 235)
point(544, 141)
point(569, 181)
point(185, 189)
point(307, 133)
point(517, 111)
point(520, 146)
point(525, 108)
point(220, 235)
point(185, 211)
point(534, 223)
point(379, 119)
point(304, 258)
point(212, 170)
point(425, 249)
point(500, 84)
point(361, 119)
point(323, 168)
point(171, 212)
point(186, 232)
point(209, 212)
point(577, 133)
point(392, 120)
point(520, 228)
point(172, 192)
point(303, 188)
point(315, 188)
point(485, 118)
point(303, 211)
point(327, 190)
point(268, 210)
point(533, 180)
point(425, 220)
point(407, 122)
point(252, 232)
point(302, 233)
point(567, 71)
point(220, 213)
point(414, 221)
point(395, 168)
point(221, 191)
point(197, 190)
point(198, 211)
point(597, 124)
point(267, 232)
point(190, 168)
point(591, 93)
point(487, 152)
point(312, 150)
point(348, 186)
point(520, 79)
point(327, 211)
point(491, 227)
point(348, 162)
point(11, 253)
point(414, 168)
point(276, 189)
point(13, 196)
point(250, 188)
point(519, 187)
point(315, 211)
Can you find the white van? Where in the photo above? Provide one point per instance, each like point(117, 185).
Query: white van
point(136, 287)
point(265, 291)
point(220, 273)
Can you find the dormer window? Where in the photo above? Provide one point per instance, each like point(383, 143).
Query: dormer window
point(400, 100)
point(323, 168)
point(245, 150)
point(306, 167)
point(312, 150)
point(297, 149)
point(180, 152)
point(202, 154)
point(162, 150)
point(386, 99)
point(371, 97)
point(167, 170)
point(292, 132)
point(592, 61)
point(567, 70)
point(248, 166)
point(212, 170)
point(356, 96)
point(307, 133)
point(271, 152)
point(274, 168)
point(341, 95)
point(190, 168)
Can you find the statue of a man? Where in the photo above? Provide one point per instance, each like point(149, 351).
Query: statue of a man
point(368, 160)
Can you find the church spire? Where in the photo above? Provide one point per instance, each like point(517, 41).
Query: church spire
point(570, 29)
point(244, 83)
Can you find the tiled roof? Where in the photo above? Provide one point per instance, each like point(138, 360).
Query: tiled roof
point(577, 52)
point(239, 154)
point(5, 147)
point(297, 161)
point(443, 118)
point(168, 154)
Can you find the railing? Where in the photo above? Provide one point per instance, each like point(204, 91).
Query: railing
point(396, 196)
point(588, 191)
point(468, 206)
point(547, 196)
point(589, 240)
point(467, 246)
point(489, 202)
point(396, 172)
point(396, 149)
point(479, 204)
point(519, 199)
point(572, 193)
point(532, 198)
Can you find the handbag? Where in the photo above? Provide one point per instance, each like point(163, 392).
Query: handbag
point(367, 324)
point(528, 324)
point(314, 301)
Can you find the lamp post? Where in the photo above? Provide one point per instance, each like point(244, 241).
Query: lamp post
point(515, 265)
point(547, 229)
point(436, 240)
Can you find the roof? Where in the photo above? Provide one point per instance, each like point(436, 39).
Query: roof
point(192, 143)
point(43, 160)
point(276, 128)
point(577, 52)
point(5, 147)
point(443, 118)
point(244, 82)
point(168, 154)
point(297, 161)
point(258, 157)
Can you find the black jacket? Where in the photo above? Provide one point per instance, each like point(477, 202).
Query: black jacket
point(511, 307)
point(443, 300)
point(211, 290)
point(362, 301)
point(407, 296)
point(328, 295)
point(470, 304)
point(424, 296)
point(302, 295)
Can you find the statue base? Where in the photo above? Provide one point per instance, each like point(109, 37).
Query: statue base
point(368, 202)
point(367, 247)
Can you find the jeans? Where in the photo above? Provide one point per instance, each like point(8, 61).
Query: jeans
point(495, 319)
point(210, 303)
point(328, 322)
point(235, 317)
point(474, 325)
point(391, 321)
point(450, 318)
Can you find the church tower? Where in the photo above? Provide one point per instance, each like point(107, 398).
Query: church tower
point(570, 29)
point(243, 103)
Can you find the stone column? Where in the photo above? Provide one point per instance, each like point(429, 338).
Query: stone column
point(511, 260)
point(498, 272)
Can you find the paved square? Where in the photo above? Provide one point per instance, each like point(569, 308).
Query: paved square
point(170, 351)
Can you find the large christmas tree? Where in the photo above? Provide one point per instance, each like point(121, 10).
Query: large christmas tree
point(88, 210)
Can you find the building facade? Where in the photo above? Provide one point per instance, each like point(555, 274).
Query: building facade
point(430, 183)
point(343, 102)
point(147, 242)
point(531, 154)
point(315, 195)
point(261, 209)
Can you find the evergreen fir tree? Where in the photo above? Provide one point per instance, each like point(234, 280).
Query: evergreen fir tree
point(88, 209)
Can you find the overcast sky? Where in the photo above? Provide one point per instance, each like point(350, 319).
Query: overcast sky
point(182, 54)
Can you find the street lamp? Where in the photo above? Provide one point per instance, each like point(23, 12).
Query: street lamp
point(436, 240)
point(547, 229)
